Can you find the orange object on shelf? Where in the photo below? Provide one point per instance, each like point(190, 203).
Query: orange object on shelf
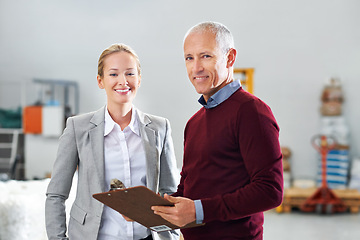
point(32, 119)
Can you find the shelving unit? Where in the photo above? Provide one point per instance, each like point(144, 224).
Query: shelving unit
point(11, 153)
point(246, 76)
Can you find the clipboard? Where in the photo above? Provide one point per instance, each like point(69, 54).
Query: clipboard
point(136, 203)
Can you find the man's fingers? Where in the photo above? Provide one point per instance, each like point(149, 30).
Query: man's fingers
point(127, 219)
point(166, 209)
point(170, 217)
point(170, 198)
point(181, 214)
point(162, 209)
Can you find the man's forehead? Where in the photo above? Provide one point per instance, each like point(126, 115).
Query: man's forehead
point(198, 42)
point(200, 35)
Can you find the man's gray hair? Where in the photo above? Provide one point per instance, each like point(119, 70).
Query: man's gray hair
point(223, 36)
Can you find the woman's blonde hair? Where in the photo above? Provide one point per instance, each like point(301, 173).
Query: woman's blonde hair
point(119, 47)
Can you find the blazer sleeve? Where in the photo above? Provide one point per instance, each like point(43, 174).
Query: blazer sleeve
point(169, 174)
point(60, 184)
point(169, 177)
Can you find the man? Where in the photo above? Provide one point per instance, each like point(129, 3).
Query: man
point(232, 169)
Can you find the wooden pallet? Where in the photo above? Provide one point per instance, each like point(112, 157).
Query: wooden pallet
point(295, 197)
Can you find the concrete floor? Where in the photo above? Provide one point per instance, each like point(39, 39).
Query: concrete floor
point(310, 226)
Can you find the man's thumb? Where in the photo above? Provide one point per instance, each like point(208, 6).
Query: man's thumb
point(170, 198)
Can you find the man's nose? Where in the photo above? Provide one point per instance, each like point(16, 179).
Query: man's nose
point(197, 66)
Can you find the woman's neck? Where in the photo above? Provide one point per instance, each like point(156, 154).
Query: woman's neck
point(121, 114)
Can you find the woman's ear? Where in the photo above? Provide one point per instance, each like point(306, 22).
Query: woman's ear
point(231, 56)
point(100, 82)
point(139, 84)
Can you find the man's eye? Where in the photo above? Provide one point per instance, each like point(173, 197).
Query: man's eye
point(188, 58)
point(206, 56)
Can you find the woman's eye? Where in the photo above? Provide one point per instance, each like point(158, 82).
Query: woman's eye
point(113, 74)
point(131, 74)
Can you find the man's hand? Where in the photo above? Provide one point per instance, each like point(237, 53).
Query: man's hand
point(181, 214)
point(127, 219)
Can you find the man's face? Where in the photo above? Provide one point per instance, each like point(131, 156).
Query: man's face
point(205, 63)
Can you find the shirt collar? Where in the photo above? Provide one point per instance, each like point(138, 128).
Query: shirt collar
point(110, 123)
point(221, 95)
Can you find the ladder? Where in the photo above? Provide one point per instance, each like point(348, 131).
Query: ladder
point(9, 140)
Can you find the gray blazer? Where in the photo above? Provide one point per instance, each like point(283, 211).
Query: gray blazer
point(82, 146)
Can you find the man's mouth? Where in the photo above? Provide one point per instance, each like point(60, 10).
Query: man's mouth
point(201, 78)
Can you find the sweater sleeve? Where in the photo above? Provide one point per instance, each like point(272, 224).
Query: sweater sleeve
point(257, 133)
point(180, 187)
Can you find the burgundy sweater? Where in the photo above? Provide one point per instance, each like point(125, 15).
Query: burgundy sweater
point(233, 163)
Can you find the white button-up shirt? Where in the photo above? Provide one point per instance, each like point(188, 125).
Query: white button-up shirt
point(124, 160)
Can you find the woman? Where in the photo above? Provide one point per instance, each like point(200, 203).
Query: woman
point(116, 141)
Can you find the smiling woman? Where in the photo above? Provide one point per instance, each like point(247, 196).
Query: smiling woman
point(120, 78)
point(116, 141)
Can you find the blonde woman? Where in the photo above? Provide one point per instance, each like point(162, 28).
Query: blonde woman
point(116, 141)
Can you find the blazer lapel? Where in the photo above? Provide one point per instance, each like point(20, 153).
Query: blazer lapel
point(97, 142)
point(149, 137)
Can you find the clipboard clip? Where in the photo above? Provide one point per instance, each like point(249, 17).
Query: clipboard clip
point(116, 184)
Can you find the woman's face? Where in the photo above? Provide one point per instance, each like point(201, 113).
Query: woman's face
point(121, 79)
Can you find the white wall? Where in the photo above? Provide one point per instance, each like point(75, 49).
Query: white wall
point(294, 46)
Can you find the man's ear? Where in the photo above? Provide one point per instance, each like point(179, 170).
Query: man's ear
point(231, 56)
point(100, 82)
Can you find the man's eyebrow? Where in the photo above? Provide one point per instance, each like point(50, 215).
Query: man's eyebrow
point(201, 53)
point(187, 55)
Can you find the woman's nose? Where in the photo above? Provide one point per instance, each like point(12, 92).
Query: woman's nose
point(122, 80)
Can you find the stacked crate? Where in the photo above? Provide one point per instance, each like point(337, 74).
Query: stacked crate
point(333, 125)
point(337, 169)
